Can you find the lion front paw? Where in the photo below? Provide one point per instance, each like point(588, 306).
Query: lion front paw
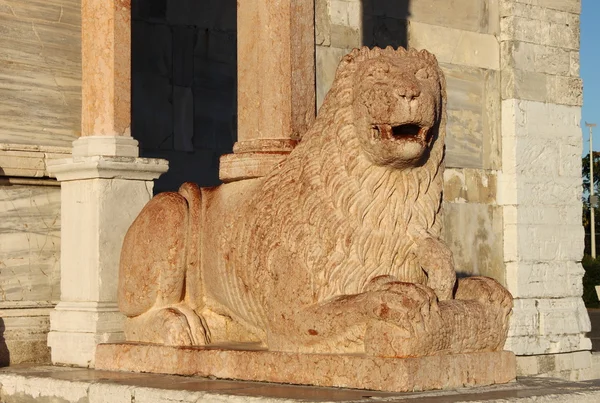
point(412, 307)
point(484, 290)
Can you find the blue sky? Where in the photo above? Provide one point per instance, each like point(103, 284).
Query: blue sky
point(590, 69)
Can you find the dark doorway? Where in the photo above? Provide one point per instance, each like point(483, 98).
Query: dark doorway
point(184, 86)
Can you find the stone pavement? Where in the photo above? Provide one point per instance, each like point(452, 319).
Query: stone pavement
point(27, 384)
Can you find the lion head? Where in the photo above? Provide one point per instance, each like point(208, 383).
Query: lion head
point(397, 103)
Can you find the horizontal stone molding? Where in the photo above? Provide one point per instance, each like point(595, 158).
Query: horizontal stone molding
point(83, 318)
point(28, 161)
point(104, 167)
point(12, 306)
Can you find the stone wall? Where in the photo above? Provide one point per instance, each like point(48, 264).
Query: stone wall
point(184, 85)
point(511, 211)
point(40, 67)
point(541, 175)
point(40, 114)
point(513, 179)
point(463, 35)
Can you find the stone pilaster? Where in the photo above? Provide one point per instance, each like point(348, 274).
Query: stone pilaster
point(100, 197)
point(276, 84)
point(540, 184)
point(103, 188)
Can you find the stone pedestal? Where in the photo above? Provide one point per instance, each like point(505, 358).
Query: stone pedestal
point(338, 370)
point(100, 197)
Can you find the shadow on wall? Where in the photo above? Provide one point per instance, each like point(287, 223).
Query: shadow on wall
point(184, 67)
point(385, 23)
point(184, 86)
point(4, 353)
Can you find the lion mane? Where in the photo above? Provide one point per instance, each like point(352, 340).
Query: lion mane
point(337, 218)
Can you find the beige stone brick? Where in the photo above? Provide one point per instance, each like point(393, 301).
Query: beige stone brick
point(582, 359)
point(346, 12)
point(565, 90)
point(566, 35)
point(518, 84)
point(469, 48)
point(540, 87)
point(343, 36)
point(527, 366)
point(536, 58)
point(473, 232)
point(338, 12)
point(470, 185)
point(327, 60)
point(558, 279)
point(473, 117)
point(468, 15)
point(494, 17)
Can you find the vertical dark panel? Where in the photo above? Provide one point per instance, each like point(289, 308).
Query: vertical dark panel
point(184, 85)
point(385, 22)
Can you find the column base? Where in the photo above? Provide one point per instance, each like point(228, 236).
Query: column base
point(254, 158)
point(100, 197)
point(236, 167)
point(25, 334)
point(76, 328)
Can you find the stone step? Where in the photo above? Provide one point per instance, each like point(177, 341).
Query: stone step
point(27, 384)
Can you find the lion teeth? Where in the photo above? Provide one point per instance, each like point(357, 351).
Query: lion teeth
point(386, 131)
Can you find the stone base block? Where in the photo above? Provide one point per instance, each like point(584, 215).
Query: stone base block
point(347, 371)
point(23, 335)
point(575, 366)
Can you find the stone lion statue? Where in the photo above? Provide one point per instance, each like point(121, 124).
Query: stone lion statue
point(337, 250)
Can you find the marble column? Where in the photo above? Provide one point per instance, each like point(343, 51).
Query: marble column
point(104, 185)
point(276, 84)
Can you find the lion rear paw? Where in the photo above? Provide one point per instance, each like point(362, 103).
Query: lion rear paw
point(168, 326)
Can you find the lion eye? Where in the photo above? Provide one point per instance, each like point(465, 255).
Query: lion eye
point(422, 74)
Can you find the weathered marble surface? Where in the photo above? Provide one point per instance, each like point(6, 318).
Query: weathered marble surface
point(29, 270)
point(40, 71)
point(29, 243)
point(346, 371)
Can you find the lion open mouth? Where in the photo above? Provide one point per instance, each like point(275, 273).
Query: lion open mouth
point(403, 132)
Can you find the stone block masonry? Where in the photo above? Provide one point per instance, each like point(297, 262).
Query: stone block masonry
point(539, 188)
point(513, 145)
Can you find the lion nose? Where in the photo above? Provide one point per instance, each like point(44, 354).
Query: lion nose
point(408, 88)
